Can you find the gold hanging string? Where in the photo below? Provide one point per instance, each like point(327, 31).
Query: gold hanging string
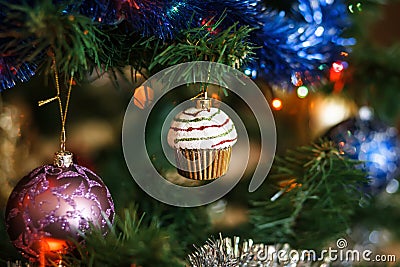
point(204, 86)
point(198, 95)
point(63, 110)
point(64, 118)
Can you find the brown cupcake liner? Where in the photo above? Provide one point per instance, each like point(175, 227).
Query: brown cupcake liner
point(203, 164)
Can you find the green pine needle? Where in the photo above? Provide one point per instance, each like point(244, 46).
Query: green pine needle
point(80, 45)
point(230, 46)
point(128, 243)
point(41, 30)
point(316, 192)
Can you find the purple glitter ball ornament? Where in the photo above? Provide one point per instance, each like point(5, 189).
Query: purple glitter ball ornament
point(55, 203)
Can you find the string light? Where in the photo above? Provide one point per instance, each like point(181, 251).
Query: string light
point(251, 73)
point(366, 113)
point(277, 104)
point(353, 8)
point(336, 74)
point(331, 110)
point(337, 66)
point(302, 92)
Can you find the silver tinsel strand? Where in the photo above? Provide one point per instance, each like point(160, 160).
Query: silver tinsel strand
point(227, 252)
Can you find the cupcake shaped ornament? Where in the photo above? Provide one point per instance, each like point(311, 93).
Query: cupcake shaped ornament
point(202, 137)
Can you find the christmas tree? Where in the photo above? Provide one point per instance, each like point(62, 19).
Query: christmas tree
point(204, 133)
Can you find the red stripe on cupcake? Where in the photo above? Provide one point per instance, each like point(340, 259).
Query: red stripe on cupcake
point(224, 141)
point(193, 114)
point(201, 127)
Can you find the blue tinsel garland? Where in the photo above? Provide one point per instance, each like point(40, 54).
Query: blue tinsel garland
point(298, 50)
point(165, 19)
point(102, 11)
point(11, 71)
point(294, 49)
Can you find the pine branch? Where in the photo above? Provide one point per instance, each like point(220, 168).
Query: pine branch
point(314, 187)
point(185, 226)
point(34, 32)
point(40, 30)
point(128, 243)
point(207, 43)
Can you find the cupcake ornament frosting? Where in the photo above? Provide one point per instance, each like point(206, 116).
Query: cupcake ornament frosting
point(202, 137)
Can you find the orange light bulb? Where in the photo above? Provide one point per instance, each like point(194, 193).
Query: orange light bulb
point(277, 104)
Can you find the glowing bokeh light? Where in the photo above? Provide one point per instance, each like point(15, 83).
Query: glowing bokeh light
point(337, 66)
point(302, 92)
point(365, 113)
point(277, 104)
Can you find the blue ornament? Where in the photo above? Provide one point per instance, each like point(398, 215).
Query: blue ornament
point(372, 142)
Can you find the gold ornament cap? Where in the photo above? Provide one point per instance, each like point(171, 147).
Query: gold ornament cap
point(63, 159)
point(203, 103)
